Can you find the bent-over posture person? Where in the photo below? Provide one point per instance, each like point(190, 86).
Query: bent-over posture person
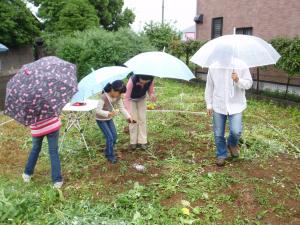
point(48, 128)
point(105, 112)
point(225, 99)
point(135, 101)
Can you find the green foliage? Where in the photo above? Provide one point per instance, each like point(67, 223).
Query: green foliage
point(161, 35)
point(17, 24)
point(111, 15)
point(76, 15)
point(79, 14)
point(185, 48)
point(289, 49)
point(97, 48)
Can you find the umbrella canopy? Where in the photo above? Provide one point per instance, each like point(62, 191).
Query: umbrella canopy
point(227, 52)
point(96, 81)
point(40, 90)
point(159, 64)
point(3, 48)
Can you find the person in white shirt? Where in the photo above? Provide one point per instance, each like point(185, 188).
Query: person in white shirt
point(225, 99)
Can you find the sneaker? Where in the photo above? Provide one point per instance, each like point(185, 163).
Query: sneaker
point(58, 185)
point(26, 178)
point(133, 147)
point(220, 162)
point(234, 151)
point(144, 146)
point(113, 161)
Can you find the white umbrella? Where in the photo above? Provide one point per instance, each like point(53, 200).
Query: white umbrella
point(159, 64)
point(229, 51)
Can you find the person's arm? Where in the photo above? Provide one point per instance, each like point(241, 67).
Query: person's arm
point(100, 111)
point(123, 109)
point(245, 80)
point(209, 89)
point(151, 91)
point(129, 88)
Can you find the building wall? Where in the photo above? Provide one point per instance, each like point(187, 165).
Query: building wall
point(11, 61)
point(269, 18)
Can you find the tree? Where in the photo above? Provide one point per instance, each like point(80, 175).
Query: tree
point(66, 16)
point(185, 48)
point(161, 35)
point(76, 15)
point(109, 13)
point(17, 24)
point(289, 49)
point(190, 47)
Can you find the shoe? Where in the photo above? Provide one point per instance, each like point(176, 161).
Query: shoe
point(133, 147)
point(220, 162)
point(234, 151)
point(26, 178)
point(113, 161)
point(144, 146)
point(58, 185)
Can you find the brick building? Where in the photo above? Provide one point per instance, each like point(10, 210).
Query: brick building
point(263, 18)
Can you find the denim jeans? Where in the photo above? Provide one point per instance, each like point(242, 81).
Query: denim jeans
point(109, 131)
point(235, 127)
point(53, 152)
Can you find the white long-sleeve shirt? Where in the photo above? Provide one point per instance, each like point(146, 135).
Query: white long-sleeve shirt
point(225, 96)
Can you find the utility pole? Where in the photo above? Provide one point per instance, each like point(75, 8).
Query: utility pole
point(163, 12)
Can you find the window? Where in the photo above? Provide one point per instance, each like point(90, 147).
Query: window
point(244, 30)
point(217, 27)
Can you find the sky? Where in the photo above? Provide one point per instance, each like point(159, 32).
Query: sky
point(179, 12)
point(182, 12)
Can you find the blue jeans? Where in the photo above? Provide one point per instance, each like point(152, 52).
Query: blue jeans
point(53, 152)
point(235, 127)
point(109, 131)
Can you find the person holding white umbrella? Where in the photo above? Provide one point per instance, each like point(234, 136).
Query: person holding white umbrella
point(229, 58)
point(145, 67)
point(225, 99)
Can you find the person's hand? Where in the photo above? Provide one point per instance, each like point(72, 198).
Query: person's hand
point(153, 98)
point(210, 112)
point(235, 77)
point(130, 120)
point(112, 114)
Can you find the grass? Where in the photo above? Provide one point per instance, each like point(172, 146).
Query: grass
point(181, 184)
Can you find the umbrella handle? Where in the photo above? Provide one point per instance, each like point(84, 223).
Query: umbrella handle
point(232, 90)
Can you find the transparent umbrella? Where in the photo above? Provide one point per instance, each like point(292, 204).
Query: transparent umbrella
point(229, 51)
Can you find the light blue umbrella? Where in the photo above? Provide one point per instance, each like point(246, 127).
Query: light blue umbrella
point(3, 48)
point(96, 81)
point(159, 64)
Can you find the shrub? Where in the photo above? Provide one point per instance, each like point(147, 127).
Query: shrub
point(185, 49)
point(289, 49)
point(97, 48)
point(161, 35)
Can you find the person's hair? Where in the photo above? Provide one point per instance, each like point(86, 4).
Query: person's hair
point(145, 77)
point(117, 85)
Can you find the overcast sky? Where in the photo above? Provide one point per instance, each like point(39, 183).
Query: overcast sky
point(182, 12)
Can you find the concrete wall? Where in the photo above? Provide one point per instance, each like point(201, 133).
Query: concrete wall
point(11, 61)
point(269, 18)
